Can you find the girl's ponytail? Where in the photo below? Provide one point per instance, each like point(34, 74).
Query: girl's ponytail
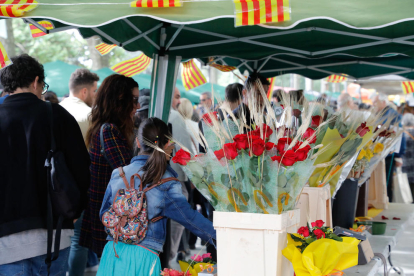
point(153, 132)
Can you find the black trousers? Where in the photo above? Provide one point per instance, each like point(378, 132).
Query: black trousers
point(389, 170)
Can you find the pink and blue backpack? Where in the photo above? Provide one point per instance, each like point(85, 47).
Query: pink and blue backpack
point(127, 219)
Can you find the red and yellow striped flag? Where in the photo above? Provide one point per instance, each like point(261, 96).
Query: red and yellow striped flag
point(156, 3)
point(191, 75)
point(408, 87)
point(4, 58)
point(270, 90)
point(253, 12)
point(336, 78)
point(133, 66)
point(104, 48)
point(16, 8)
point(223, 68)
point(36, 32)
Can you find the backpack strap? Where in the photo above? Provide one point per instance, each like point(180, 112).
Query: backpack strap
point(162, 181)
point(133, 181)
point(122, 175)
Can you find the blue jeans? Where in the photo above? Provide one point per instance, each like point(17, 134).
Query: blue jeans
point(78, 256)
point(36, 266)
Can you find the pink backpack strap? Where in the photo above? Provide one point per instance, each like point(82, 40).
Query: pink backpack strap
point(122, 175)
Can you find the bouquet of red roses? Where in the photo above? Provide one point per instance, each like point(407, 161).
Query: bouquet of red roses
point(256, 163)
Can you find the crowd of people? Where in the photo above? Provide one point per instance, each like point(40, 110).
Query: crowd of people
point(99, 130)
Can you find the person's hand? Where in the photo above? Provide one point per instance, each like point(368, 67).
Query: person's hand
point(398, 164)
point(75, 220)
point(168, 149)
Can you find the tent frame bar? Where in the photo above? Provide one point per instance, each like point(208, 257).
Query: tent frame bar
point(177, 32)
point(135, 28)
point(141, 35)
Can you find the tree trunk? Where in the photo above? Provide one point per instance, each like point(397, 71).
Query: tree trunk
point(9, 42)
point(98, 61)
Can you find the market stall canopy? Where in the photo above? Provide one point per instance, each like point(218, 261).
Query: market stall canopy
point(312, 40)
point(390, 85)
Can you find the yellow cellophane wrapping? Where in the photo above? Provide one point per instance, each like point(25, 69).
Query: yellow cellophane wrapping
point(322, 257)
point(197, 267)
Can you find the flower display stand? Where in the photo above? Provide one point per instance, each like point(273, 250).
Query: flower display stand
point(315, 204)
point(251, 244)
point(377, 191)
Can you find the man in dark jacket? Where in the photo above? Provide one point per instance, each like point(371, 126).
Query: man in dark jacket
point(25, 137)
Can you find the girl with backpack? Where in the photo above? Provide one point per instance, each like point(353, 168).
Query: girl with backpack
point(164, 199)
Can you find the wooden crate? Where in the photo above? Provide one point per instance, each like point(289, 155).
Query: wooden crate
point(315, 204)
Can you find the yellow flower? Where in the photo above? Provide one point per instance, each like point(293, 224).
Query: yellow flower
point(378, 147)
point(369, 144)
point(361, 154)
point(369, 154)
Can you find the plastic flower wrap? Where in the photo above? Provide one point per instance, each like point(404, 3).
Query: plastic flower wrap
point(198, 263)
point(259, 166)
point(172, 272)
point(317, 251)
point(348, 133)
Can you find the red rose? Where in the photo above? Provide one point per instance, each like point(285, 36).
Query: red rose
point(283, 107)
point(257, 145)
point(230, 150)
point(219, 154)
point(181, 157)
point(362, 129)
point(241, 141)
point(319, 223)
point(319, 233)
point(302, 154)
point(266, 131)
point(270, 145)
point(288, 158)
point(308, 134)
point(316, 121)
point(282, 143)
point(304, 231)
point(299, 144)
point(208, 117)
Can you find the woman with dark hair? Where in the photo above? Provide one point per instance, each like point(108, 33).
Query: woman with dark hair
point(164, 200)
point(115, 105)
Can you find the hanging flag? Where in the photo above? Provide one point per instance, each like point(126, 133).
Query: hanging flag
point(156, 3)
point(270, 90)
point(253, 12)
point(4, 58)
point(223, 68)
point(104, 49)
point(36, 32)
point(191, 75)
point(16, 8)
point(133, 66)
point(408, 87)
point(337, 78)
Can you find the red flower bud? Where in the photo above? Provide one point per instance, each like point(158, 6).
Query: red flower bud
point(181, 157)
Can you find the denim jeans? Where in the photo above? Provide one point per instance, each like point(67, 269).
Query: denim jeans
point(36, 266)
point(78, 256)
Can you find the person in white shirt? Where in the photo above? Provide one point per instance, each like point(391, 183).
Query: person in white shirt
point(82, 87)
point(186, 110)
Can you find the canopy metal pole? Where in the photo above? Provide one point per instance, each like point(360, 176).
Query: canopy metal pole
point(140, 32)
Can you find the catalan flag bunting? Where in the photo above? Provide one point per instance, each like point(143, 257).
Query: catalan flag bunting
point(253, 12)
point(270, 91)
point(104, 49)
point(223, 68)
point(4, 58)
point(336, 78)
point(36, 32)
point(156, 3)
point(408, 87)
point(16, 8)
point(133, 66)
point(191, 75)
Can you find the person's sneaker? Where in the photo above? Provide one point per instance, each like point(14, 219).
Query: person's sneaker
point(180, 256)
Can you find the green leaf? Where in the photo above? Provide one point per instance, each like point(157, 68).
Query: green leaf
point(230, 208)
point(225, 179)
point(266, 178)
point(297, 239)
point(310, 240)
point(240, 173)
point(336, 238)
point(243, 208)
point(246, 196)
